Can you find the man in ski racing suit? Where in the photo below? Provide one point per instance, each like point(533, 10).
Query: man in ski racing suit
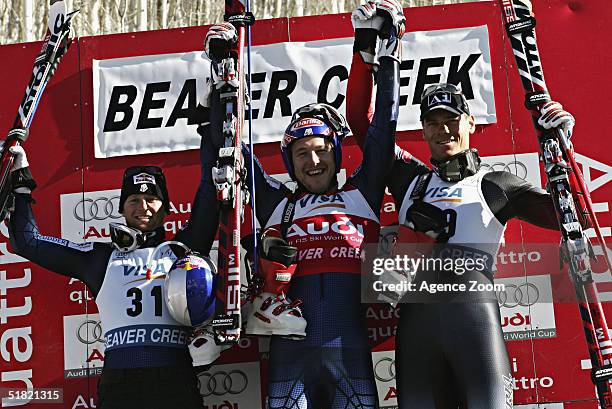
point(331, 367)
point(148, 370)
point(458, 358)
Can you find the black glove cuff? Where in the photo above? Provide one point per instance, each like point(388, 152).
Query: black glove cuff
point(365, 40)
point(27, 196)
point(23, 178)
point(276, 249)
point(20, 134)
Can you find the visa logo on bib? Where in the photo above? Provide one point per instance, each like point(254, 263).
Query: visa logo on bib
point(445, 194)
point(319, 201)
point(134, 270)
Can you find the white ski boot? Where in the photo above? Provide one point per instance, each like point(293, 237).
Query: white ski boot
point(203, 349)
point(275, 314)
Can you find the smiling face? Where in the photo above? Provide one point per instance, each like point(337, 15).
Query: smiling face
point(314, 163)
point(447, 133)
point(143, 212)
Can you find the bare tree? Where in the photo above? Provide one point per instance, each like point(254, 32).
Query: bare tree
point(299, 7)
point(26, 20)
point(142, 15)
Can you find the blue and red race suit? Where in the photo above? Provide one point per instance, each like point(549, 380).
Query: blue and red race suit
point(332, 366)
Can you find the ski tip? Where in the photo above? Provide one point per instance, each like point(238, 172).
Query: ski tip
point(57, 15)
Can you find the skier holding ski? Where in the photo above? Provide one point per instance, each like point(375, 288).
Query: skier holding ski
point(147, 370)
point(464, 363)
point(479, 376)
point(327, 224)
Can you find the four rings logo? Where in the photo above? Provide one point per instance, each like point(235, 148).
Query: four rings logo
point(83, 345)
point(515, 167)
point(100, 208)
point(220, 383)
point(525, 295)
point(526, 308)
point(384, 369)
point(89, 332)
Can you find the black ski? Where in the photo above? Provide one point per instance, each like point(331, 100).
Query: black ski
point(54, 47)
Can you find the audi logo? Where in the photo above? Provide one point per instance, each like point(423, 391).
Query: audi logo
point(89, 332)
point(221, 383)
point(515, 167)
point(525, 294)
point(384, 370)
point(97, 209)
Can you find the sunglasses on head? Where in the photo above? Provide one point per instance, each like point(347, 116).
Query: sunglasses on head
point(323, 111)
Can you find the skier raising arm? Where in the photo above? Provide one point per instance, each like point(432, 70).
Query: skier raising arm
point(124, 301)
point(360, 88)
point(465, 363)
point(331, 367)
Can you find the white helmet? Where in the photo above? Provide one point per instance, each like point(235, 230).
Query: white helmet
point(189, 290)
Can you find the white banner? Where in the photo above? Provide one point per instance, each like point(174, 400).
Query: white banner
point(460, 56)
point(149, 104)
point(153, 103)
point(524, 165)
point(384, 373)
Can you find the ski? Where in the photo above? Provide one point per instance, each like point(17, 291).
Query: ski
point(570, 194)
point(55, 45)
point(229, 176)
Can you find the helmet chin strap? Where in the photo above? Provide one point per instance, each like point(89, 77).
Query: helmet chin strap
point(457, 167)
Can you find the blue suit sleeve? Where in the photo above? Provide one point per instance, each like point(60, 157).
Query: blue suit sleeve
point(199, 234)
point(405, 168)
point(84, 261)
point(269, 191)
point(379, 145)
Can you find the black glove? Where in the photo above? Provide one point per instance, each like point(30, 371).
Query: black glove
point(367, 26)
point(270, 247)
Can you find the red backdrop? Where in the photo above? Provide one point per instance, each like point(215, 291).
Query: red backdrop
point(576, 64)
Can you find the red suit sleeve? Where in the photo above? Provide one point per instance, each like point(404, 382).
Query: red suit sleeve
point(359, 98)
